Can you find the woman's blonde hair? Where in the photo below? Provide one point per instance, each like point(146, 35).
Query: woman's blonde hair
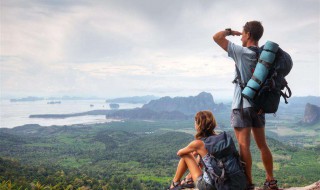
point(206, 123)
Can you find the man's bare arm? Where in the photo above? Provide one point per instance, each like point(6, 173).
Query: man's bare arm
point(220, 38)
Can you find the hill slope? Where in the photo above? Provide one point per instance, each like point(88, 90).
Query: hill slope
point(123, 155)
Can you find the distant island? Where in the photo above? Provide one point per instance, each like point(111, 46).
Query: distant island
point(133, 99)
point(114, 106)
point(62, 116)
point(27, 99)
point(54, 102)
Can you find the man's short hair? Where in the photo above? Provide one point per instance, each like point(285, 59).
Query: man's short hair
point(255, 28)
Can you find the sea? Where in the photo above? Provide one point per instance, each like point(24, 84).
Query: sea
point(13, 114)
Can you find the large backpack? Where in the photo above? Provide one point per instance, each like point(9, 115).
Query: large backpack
point(267, 98)
point(228, 172)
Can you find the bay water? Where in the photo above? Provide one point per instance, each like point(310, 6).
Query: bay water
point(14, 114)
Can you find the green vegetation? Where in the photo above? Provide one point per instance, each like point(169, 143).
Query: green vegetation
point(124, 155)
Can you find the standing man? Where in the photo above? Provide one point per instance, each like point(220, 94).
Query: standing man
point(244, 119)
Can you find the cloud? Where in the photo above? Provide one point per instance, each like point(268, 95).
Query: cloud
point(112, 48)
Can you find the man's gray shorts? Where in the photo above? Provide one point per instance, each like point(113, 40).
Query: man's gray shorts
point(248, 117)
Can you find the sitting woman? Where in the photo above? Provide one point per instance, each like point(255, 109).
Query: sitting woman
point(204, 126)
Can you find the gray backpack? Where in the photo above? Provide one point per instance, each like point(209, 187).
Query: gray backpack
point(228, 172)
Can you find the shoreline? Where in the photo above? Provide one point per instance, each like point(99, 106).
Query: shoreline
point(97, 121)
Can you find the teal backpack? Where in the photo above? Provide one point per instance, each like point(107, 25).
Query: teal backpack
point(268, 83)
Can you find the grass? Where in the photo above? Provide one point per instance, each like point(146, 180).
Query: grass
point(46, 145)
point(154, 178)
point(284, 131)
point(279, 157)
point(276, 166)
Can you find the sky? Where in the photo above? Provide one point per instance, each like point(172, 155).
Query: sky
point(124, 48)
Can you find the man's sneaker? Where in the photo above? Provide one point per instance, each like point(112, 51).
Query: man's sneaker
point(270, 185)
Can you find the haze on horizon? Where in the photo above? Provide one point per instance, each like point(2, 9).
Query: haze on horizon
point(132, 48)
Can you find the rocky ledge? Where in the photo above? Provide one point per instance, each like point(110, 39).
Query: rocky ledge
point(314, 186)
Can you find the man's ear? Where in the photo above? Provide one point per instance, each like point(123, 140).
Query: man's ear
point(249, 35)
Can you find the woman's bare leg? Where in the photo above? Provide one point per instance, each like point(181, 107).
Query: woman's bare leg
point(187, 162)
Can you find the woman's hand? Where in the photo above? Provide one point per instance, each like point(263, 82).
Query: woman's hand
point(195, 153)
point(179, 153)
point(186, 150)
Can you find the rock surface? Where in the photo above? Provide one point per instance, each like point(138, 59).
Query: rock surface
point(314, 186)
point(311, 114)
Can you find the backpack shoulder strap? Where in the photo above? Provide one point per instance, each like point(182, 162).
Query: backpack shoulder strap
point(256, 50)
point(238, 77)
point(238, 80)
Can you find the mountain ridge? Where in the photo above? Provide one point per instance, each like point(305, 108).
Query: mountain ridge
point(186, 105)
point(170, 108)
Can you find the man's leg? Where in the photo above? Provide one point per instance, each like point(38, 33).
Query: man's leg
point(243, 137)
point(266, 156)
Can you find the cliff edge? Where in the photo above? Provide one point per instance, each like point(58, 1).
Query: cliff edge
point(311, 114)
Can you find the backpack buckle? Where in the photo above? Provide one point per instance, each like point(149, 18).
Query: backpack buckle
point(220, 164)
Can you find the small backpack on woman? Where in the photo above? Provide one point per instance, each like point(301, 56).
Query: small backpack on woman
point(228, 172)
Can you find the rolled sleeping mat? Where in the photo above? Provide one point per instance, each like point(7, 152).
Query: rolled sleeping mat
point(261, 71)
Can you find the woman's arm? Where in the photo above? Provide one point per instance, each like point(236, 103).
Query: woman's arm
point(193, 146)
